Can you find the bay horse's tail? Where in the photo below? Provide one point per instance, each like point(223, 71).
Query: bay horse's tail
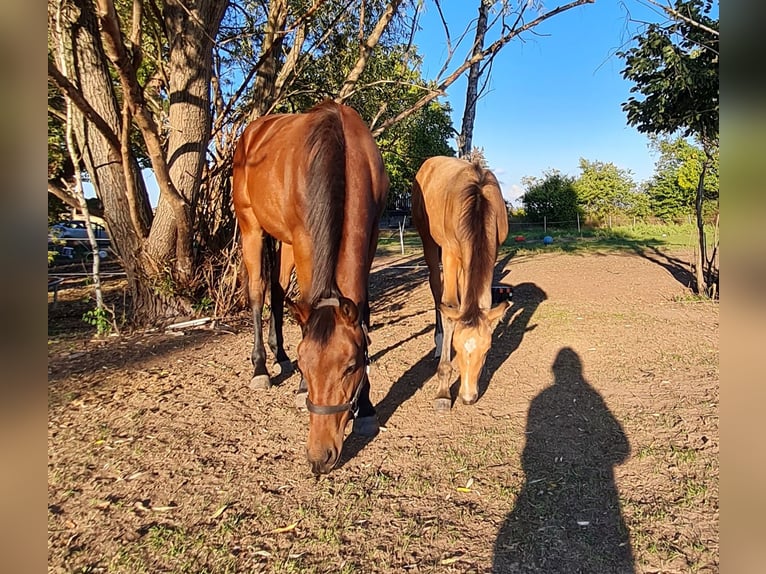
point(326, 197)
point(478, 229)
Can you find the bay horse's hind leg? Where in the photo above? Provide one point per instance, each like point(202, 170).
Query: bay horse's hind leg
point(366, 420)
point(280, 281)
point(253, 255)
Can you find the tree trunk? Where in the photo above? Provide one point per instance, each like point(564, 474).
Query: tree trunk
point(263, 91)
point(465, 143)
point(191, 28)
point(79, 41)
point(154, 295)
point(702, 251)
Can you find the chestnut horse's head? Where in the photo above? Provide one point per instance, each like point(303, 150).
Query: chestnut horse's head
point(471, 340)
point(332, 358)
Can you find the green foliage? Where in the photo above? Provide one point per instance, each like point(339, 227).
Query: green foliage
point(675, 68)
point(57, 209)
point(672, 190)
point(408, 144)
point(204, 305)
point(553, 196)
point(99, 318)
point(604, 189)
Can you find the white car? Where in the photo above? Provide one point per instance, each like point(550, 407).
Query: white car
point(75, 229)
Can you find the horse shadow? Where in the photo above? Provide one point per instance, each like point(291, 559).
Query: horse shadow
point(400, 392)
point(508, 335)
point(567, 516)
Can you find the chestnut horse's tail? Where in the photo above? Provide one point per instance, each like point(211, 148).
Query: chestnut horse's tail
point(325, 197)
point(478, 228)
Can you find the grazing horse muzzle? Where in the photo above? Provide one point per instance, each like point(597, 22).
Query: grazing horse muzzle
point(327, 425)
point(333, 359)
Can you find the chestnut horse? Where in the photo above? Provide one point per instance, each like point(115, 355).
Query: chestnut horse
point(457, 207)
point(315, 182)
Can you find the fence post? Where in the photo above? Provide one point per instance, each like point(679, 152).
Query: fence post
point(545, 224)
point(578, 225)
point(401, 232)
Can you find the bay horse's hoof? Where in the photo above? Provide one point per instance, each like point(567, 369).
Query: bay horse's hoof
point(442, 405)
point(366, 426)
point(300, 400)
point(260, 383)
point(284, 368)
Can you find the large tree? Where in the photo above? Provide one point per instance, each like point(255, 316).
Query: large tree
point(672, 191)
point(552, 197)
point(674, 66)
point(603, 189)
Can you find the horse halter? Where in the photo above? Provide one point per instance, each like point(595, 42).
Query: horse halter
point(353, 404)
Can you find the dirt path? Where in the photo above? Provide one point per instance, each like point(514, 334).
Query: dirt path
point(594, 447)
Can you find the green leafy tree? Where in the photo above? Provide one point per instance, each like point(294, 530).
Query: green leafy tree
point(408, 144)
point(672, 190)
point(604, 189)
point(553, 197)
point(674, 67)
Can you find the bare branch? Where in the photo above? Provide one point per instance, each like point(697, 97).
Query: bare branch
point(115, 51)
point(675, 14)
point(366, 50)
point(440, 89)
point(62, 194)
point(74, 94)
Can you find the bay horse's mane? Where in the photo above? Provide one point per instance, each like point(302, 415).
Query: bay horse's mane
point(478, 229)
point(325, 200)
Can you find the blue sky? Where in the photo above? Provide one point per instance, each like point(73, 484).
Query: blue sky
point(554, 97)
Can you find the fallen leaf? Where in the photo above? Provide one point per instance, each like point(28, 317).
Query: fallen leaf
point(220, 511)
point(287, 528)
point(469, 483)
point(451, 560)
point(463, 489)
point(263, 553)
point(164, 508)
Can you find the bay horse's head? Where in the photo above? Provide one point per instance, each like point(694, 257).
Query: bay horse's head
point(471, 341)
point(332, 358)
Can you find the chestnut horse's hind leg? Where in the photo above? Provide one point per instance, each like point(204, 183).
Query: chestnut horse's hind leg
point(252, 253)
point(449, 298)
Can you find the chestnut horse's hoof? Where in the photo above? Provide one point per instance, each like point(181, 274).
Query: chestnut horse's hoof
point(300, 400)
point(442, 405)
point(366, 426)
point(260, 382)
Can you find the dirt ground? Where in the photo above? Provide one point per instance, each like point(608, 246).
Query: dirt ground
point(593, 447)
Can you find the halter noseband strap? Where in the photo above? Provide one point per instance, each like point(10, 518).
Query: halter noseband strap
point(353, 404)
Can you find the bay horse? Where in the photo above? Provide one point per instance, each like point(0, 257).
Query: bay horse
point(458, 209)
point(315, 182)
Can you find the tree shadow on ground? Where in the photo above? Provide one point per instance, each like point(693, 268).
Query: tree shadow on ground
point(679, 269)
point(567, 517)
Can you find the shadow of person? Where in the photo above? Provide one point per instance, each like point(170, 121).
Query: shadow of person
point(567, 517)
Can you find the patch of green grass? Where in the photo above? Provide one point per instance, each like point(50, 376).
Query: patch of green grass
point(683, 455)
point(693, 492)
